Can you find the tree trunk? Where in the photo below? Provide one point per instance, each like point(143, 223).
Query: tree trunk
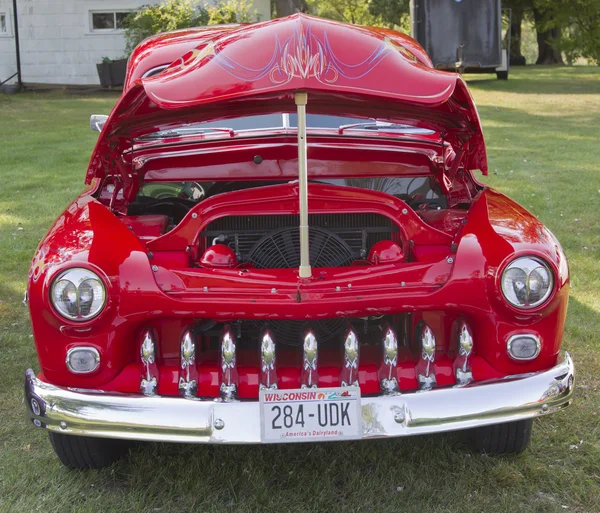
point(516, 57)
point(546, 40)
point(287, 7)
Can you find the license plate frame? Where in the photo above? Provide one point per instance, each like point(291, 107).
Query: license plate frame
point(315, 409)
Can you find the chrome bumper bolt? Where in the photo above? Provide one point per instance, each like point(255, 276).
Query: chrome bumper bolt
point(35, 407)
point(219, 424)
point(399, 417)
point(63, 425)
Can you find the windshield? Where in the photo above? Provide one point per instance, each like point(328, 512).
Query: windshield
point(407, 188)
point(229, 127)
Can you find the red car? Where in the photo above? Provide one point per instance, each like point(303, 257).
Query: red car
point(283, 240)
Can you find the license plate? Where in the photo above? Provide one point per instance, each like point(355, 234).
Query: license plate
point(306, 415)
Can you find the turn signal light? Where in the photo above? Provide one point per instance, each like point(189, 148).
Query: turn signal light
point(83, 360)
point(523, 347)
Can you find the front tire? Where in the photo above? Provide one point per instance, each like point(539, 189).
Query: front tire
point(84, 452)
point(508, 438)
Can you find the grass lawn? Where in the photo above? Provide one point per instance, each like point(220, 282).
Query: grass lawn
point(543, 133)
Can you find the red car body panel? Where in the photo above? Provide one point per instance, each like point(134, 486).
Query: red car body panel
point(89, 235)
point(163, 49)
point(457, 258)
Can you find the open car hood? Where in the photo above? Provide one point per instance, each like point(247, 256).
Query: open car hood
point(254, 69)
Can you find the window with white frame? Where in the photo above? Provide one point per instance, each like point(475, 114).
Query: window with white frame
point(108, 21)
point(3, 23)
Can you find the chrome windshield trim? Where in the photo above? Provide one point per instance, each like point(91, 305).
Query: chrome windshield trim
point(173, 419)
point(371, 126)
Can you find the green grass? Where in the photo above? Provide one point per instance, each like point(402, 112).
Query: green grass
point(543, 134)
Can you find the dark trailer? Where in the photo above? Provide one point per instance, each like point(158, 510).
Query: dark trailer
point(463, 35)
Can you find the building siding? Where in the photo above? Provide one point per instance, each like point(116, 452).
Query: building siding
point(57, 44)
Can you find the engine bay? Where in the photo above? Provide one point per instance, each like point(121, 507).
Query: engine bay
point(176, 199)
point(273, 241)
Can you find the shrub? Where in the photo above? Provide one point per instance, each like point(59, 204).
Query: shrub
point(168, 15)
point(231, 11)
point(179, 14)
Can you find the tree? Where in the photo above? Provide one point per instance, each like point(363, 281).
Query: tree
point(585, 30)
point(231, 11)
point(178, 14)
point(168, 15)
point(547, 25)
point(548, 33)
point(348, 11)
point(579, 21)
point(287, 7)
point(393, 13)
point(518, 9)
point(390, 13)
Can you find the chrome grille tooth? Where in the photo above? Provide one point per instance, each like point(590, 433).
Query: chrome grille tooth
point(149, 380)
point(310, 376)
point(268, 371)
point(228, 373)
point(426, 365)
point(188, 374)
point(349, 374)
point(387, 372)
point(462, 364)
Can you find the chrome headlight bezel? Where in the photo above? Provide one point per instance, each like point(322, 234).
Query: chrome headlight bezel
point(527, 265)
point(78, 276)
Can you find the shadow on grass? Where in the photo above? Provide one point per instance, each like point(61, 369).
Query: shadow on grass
point(317, 476)
point(543, 80)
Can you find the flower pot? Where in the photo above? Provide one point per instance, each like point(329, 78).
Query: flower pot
point(112, 73)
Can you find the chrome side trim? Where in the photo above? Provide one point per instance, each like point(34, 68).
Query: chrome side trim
point(173, 419)
point(228, 376)
point(310, 374)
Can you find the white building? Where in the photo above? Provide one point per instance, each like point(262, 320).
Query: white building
point(62, 40)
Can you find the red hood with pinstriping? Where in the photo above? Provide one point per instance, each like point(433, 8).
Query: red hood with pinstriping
point(256, 68)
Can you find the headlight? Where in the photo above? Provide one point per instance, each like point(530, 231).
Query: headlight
point(78, 294)
point(527, 282)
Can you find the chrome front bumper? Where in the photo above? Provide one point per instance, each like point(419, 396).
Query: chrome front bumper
point(170, 419)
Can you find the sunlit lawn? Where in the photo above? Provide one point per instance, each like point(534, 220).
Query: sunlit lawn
point(543, 132)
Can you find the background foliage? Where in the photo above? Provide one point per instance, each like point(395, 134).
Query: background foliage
point(580, 24)
point(389, 13)
point(543, 31)
point(179, 14)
